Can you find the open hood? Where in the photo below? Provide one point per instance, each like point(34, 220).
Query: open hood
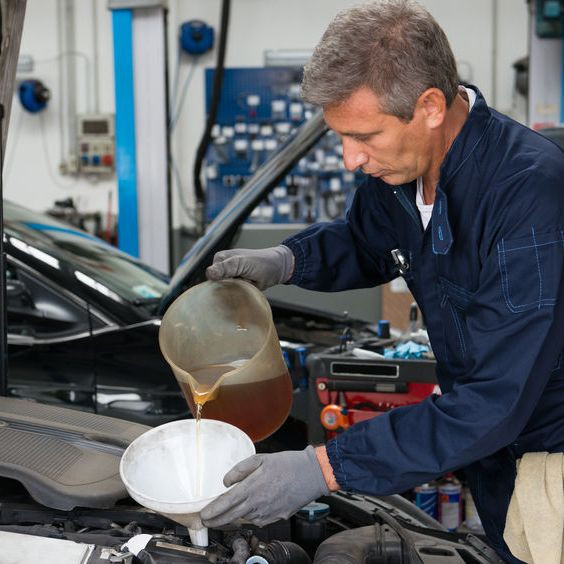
point(11, 23)
point(223, 228)
point(11, 27)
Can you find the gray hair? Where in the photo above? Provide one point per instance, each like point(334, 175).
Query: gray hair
point(394, 47)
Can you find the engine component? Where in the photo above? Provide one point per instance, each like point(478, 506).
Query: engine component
point(388, 527)
point(279, 552)
point(310, 526)
point(241, 550)
point(376, 543)
point(64, 458)
point(12, 544)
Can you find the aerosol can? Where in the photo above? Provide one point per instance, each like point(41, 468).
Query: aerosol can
point(426, 498)
point(450, 502)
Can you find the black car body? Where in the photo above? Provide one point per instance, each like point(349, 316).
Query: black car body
point(83, 322)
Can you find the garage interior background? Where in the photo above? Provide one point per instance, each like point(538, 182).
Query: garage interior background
point(68, 45)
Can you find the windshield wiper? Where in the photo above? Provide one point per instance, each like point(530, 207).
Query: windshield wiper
point(146, 301)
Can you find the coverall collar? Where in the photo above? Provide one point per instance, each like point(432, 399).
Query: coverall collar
point(472, 132)
point(467, 139)
point(462, 148)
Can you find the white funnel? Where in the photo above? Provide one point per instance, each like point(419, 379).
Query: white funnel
point(162, 469)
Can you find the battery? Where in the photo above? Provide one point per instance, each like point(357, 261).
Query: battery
point(450, 506)
point(426, 498)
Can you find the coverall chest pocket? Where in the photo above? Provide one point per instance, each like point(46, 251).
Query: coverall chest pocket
point(530, 270)
point(454, 302)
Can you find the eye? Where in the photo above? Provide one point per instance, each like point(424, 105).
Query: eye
point(364, 137)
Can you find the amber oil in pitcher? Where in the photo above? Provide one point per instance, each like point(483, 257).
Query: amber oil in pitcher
point(258, 408)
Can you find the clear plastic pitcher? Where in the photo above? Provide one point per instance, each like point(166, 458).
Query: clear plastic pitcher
point(220, 340)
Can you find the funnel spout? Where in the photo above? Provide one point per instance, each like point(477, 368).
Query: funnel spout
point(198, 533)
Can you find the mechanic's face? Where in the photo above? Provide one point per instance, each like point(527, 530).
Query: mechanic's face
point(380, 144)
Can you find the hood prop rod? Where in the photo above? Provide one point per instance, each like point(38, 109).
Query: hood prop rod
point(3, 300)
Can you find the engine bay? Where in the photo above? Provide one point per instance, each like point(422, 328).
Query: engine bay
point(351, 529)
point(61, 500)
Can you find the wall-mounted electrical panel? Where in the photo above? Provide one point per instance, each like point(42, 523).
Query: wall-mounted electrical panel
point(96, 144)
point(259, 109)
point(550, 18)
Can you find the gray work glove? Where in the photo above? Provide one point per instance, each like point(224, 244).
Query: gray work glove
point(263, 267)
point(268, 487)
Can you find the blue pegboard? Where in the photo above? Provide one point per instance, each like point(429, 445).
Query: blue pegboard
point(269, 83)
point(259, 108)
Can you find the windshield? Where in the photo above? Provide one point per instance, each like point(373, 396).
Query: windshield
point(94, 262)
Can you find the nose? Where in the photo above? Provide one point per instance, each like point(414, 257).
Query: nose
point(353, 155)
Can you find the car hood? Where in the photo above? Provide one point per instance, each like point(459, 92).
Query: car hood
point(221, 231)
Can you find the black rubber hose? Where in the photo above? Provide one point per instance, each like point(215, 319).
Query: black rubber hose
point(214, 105)
point(145, 557)
point(241, 550)
point(279, 552)
point(346, 547)
point(365, 544)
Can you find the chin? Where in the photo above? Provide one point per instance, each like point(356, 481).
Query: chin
point(392, 180)
point(395, 179)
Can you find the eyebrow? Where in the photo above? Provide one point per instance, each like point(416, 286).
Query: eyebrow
point(359, 133)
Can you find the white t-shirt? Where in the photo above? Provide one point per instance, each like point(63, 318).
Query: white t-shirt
point(424, 209)
point(427, 209)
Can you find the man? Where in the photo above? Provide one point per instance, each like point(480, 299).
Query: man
point(474, 202)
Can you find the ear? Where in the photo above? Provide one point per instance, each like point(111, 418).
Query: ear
point(432, 105)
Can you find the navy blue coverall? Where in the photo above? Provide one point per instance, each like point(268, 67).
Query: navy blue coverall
point(488, 275)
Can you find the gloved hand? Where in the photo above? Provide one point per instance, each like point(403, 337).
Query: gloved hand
point(262, 267)
point(268, 487)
